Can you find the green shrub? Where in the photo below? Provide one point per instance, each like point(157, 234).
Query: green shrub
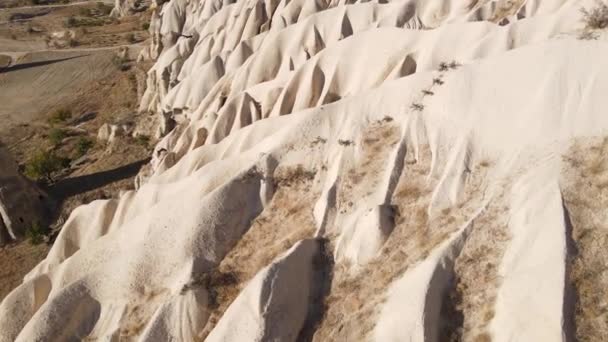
point(142, 140)
point(83, 145)
point(56, 136)
point(85, 12)
point(60, 116)
point(121, 63)
point(103, 8)
point(595, 19)
point(43, 164)
point(70, 21)
point(145, 26)
point(130, 37)
point(35, 233)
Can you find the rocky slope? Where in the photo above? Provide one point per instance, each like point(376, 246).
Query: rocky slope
point(345, 171)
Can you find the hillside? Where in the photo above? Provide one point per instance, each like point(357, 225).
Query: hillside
point(350, 171)
point(54, 97)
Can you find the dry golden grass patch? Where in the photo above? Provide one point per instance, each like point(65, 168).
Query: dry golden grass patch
point(505, 9)
point(476, 273)
point(286, 220)
point(410, 192)
point(595, 18)
point(376, 142)
point(137, 314)
point(585, 195)
point(354, 299)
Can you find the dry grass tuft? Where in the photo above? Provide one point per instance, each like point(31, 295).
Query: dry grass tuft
point(583, 187)
point(221, 285)
point(411, 191)
point(292, 175)
point(477, 269)
point(376, 141)
point(588, 35)
point(345, 142)
point(318, 140)
point(417, 107)
point(595, 166)
point(445, 66)
point(595, 18)
point(438, 81)
point(356, 176)
point(138, 313)
point(488, 315)
point(505, 9)
point(454, 65)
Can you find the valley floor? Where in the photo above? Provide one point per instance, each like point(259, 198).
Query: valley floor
point(91, 82)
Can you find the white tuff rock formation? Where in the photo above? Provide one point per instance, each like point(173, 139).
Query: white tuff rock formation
point(349, 171)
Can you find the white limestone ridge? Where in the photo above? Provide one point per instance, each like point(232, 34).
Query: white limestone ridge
point(349, 171)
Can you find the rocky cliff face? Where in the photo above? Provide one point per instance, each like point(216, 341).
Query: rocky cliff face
point(348, 171)
point(21, 202)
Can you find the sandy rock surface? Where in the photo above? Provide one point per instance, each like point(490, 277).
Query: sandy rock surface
point(349, 171)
